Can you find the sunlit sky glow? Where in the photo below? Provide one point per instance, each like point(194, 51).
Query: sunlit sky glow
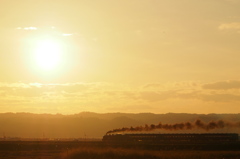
point(134, 56)
point(48, 54)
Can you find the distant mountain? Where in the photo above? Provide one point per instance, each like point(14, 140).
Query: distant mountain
point(94, 125)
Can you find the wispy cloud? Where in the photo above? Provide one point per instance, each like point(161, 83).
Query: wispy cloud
point(219, 98)
point(233, 1)
point(230, 26)
point(95, 96)
point(50, 30)
point(222, 85)
point(27, 28)
point(67, 34)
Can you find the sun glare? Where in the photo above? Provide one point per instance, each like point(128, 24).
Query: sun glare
point(48, 54)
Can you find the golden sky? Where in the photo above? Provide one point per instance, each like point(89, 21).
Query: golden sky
point(157, 56)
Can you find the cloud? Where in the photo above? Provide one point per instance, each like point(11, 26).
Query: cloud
point(157, 96)
point(171, 85)
point(218, 92)
point(230, 26)
point(13, 101)
point(71, 87)
point(39, 90)
point(27, 28)
point(233, 1)
point(45, 30)
point(222, 85)
point(105, 96)
point(21, 90)
point(65, 34)
point(221, 97)
point(153, 86)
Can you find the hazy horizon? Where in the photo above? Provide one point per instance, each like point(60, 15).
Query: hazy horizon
point(129, 56)
point(88, 112)
point(94, 125)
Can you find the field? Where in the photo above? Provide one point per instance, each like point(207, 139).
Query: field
point(99, 150)
point(147, 154)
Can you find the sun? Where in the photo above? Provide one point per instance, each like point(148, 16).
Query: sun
point(48, 54)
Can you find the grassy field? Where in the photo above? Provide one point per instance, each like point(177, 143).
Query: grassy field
point(111, 153)
point(96, 153)
point(28, 154)
point(97, 150)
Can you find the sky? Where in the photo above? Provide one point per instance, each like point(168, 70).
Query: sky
point(133, 56)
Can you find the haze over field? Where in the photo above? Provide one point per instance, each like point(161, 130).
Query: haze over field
point(130, 56)
point(87, 125)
